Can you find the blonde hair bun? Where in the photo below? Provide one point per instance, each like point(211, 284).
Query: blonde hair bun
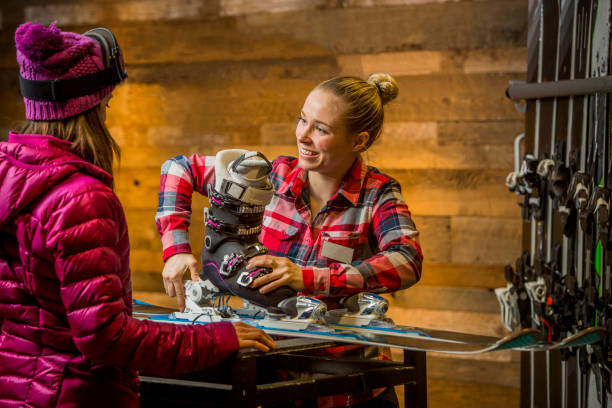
point(386, 84)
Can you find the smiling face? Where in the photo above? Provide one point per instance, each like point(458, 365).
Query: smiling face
point(322, 138)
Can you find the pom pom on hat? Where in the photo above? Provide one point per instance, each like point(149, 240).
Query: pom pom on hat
point(37, 42)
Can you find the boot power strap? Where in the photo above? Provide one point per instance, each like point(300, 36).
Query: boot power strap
point(234, 230)
point(241, 192)
point(232, 205)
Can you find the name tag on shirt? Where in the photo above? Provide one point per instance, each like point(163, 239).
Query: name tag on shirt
point(337, 252)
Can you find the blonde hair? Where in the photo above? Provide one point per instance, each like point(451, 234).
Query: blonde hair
point(365, 100)
point(89, 135)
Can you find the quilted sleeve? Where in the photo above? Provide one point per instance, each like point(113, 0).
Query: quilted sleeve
point(83, 231)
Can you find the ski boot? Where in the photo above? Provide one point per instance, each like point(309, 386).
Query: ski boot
point(233, 223)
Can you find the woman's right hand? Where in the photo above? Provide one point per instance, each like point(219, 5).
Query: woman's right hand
point(249, 336)
point(173, 272)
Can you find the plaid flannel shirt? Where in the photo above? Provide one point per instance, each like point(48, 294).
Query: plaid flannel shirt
point(367, 215)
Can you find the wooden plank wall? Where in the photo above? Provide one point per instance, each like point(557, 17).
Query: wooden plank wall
point(206, 75)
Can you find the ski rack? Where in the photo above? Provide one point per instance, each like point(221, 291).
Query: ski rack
point(569, 87)
point(565, 274)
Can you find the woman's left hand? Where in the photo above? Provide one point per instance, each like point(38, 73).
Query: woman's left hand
point(284, 273)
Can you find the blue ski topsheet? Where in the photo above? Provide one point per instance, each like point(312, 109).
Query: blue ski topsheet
point(397, 330)
point(416, 339)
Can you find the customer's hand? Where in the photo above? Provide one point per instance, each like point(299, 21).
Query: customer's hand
point(173, 272)
point(249, 336)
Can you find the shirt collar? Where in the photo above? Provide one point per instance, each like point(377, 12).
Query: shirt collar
point(350, 187)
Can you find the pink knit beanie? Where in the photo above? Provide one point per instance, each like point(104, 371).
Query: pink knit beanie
point(48, 53)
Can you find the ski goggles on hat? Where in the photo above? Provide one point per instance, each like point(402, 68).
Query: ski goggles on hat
point(114, 72)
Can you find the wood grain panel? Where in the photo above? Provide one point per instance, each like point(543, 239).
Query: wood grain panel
point(207, 39)
point(435, 237)
point(240, 107)
point(310, 67)
point(12, 111)
point(480, 372)
point(479, 132)
point(462, 275)
point(142, 229)
point(393, 133)
point(452, 97)
point(463, 394)
point(456, 192)
point(495, 60)
point(473, 361)
point(450, 156)
point(487, 324)
point(390, 3)
point(242, 7)
point(426, 62)
point(424, 26)
point(395, 63)
point(140, 10)
point(434, 26)
point(149, 282)
point(149, 158)
point(445, 298)
point(486, 240)
point(205, 107)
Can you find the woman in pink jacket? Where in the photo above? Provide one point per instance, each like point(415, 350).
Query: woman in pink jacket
point(67, 337)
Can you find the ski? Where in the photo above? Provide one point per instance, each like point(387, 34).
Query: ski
point(385, 327)
point(571, 63)
point(588, 336)
point(576, 202)
point(584, 337)
point(405, 337)
point(598, 208)
point(557, 315)
point(544, 262)
point(415, 339)
point(381, 332)
point(360, 317)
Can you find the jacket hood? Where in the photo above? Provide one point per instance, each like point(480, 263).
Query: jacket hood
point(32, 165)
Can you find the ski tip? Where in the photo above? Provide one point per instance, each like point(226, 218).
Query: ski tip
point(520, 339)
point(584, 337)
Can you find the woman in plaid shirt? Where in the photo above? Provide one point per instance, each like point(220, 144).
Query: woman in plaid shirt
point(334, 226)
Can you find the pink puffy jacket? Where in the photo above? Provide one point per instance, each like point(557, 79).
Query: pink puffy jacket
point(66, 335)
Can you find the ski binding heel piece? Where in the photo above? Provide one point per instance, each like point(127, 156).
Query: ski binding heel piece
point(362, 309)
point(295, 313)
point(536, 290)
point(508, 301)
